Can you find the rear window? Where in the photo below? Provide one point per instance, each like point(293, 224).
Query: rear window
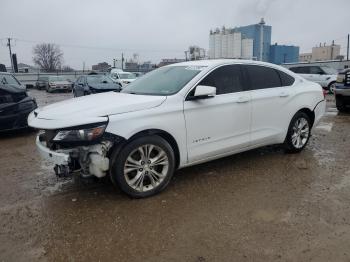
point(287, 80)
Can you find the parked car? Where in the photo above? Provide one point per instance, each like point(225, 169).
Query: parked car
point(10, 79)
point(342, 90)
point(15, 106)
point(92, 84)
point(123, 78)
point(53, 83)
point(176, 116)
point(323, 75)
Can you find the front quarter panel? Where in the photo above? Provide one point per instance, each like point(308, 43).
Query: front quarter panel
point(167, 117)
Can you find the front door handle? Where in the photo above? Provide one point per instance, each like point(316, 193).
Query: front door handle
point(284, 94)
point(243, 99)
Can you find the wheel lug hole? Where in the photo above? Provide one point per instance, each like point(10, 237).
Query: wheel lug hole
point(142, 162)
point(149, 161)
point(141, 169)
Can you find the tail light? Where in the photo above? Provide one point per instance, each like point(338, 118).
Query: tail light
point(324, 93)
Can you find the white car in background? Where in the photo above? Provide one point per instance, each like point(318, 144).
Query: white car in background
point(123, 78)
point(176, 116)
point(323, 75)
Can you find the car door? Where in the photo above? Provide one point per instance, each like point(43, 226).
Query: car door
point(79, 86)
point(269, 99)
point(318, 75)
point(220, 124)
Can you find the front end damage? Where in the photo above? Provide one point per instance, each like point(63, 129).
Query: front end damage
point(86, 160)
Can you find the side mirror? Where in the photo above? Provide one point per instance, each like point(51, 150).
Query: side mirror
point(203, 92)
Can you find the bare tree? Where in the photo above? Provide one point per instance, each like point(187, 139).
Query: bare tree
point(48, 57)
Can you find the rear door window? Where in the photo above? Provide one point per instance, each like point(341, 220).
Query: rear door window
point(261, 77)
point(286, 80)
point(316, 70)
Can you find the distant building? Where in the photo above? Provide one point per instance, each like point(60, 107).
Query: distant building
point(248, 42)
point(280, 54)
point(305, 57)
point(170, 61)
point(195, 53)
point(23, 68)
point(261, 35)
point(325, 53)
point(131, 66)
point(228, 43)
point(146, 66)
point(102, 67)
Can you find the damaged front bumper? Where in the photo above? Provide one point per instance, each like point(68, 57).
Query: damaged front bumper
point(88, 160)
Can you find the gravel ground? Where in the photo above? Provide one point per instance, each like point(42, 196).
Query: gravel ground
point(261, 205)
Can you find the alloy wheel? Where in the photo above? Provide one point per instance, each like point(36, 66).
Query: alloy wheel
point(301, 132)
point(146, 167)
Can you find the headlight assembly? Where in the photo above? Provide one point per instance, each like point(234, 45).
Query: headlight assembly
point(80, 135)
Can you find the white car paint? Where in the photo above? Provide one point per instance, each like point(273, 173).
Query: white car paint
point(122, 77)
point(203, 129)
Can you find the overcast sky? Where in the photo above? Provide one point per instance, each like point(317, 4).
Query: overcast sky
point(92, 31)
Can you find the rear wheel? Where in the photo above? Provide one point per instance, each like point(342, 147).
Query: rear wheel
point(144, 167)
point(331, 87)
point(298, 133)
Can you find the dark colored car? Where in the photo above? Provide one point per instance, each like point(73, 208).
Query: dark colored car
point(9, 79)
point(342, 90)
point(15, 106)
point(92, 84)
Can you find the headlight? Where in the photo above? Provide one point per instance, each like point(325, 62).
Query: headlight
point(77, 135)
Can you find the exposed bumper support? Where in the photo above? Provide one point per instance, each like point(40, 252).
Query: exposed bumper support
point(93, 159)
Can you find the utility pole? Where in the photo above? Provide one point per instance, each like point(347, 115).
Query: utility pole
point(122, 61)
point(332, 50)
point(9, 46)
point(347, 49)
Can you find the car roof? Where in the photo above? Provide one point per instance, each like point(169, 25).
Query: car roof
point(217, 62)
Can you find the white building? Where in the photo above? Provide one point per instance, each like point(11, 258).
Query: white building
point(247, 48)
point(228, 43)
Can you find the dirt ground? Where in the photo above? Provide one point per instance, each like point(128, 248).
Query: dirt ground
point(261, 205)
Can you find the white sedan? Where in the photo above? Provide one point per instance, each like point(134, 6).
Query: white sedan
point(176, 116)
point(123, 78)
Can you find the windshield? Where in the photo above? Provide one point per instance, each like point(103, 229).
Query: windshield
point(163, 81)
point(97, 79)
point(127, 76)
point(8, 80)
point(329, 70)
point(56, 78)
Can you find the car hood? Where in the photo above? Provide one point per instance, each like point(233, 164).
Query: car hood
point(98, 105)
point(13, 89)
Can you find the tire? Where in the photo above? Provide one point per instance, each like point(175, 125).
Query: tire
point(331, 87)
point(142, 179)
point(297, 139)
point(340, 104)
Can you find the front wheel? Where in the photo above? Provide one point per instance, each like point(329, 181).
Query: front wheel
point(144, 167)
point(339, 102)
point(299, 132)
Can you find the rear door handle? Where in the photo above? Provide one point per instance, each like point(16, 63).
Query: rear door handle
point(284, 94)
point(243, 99)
